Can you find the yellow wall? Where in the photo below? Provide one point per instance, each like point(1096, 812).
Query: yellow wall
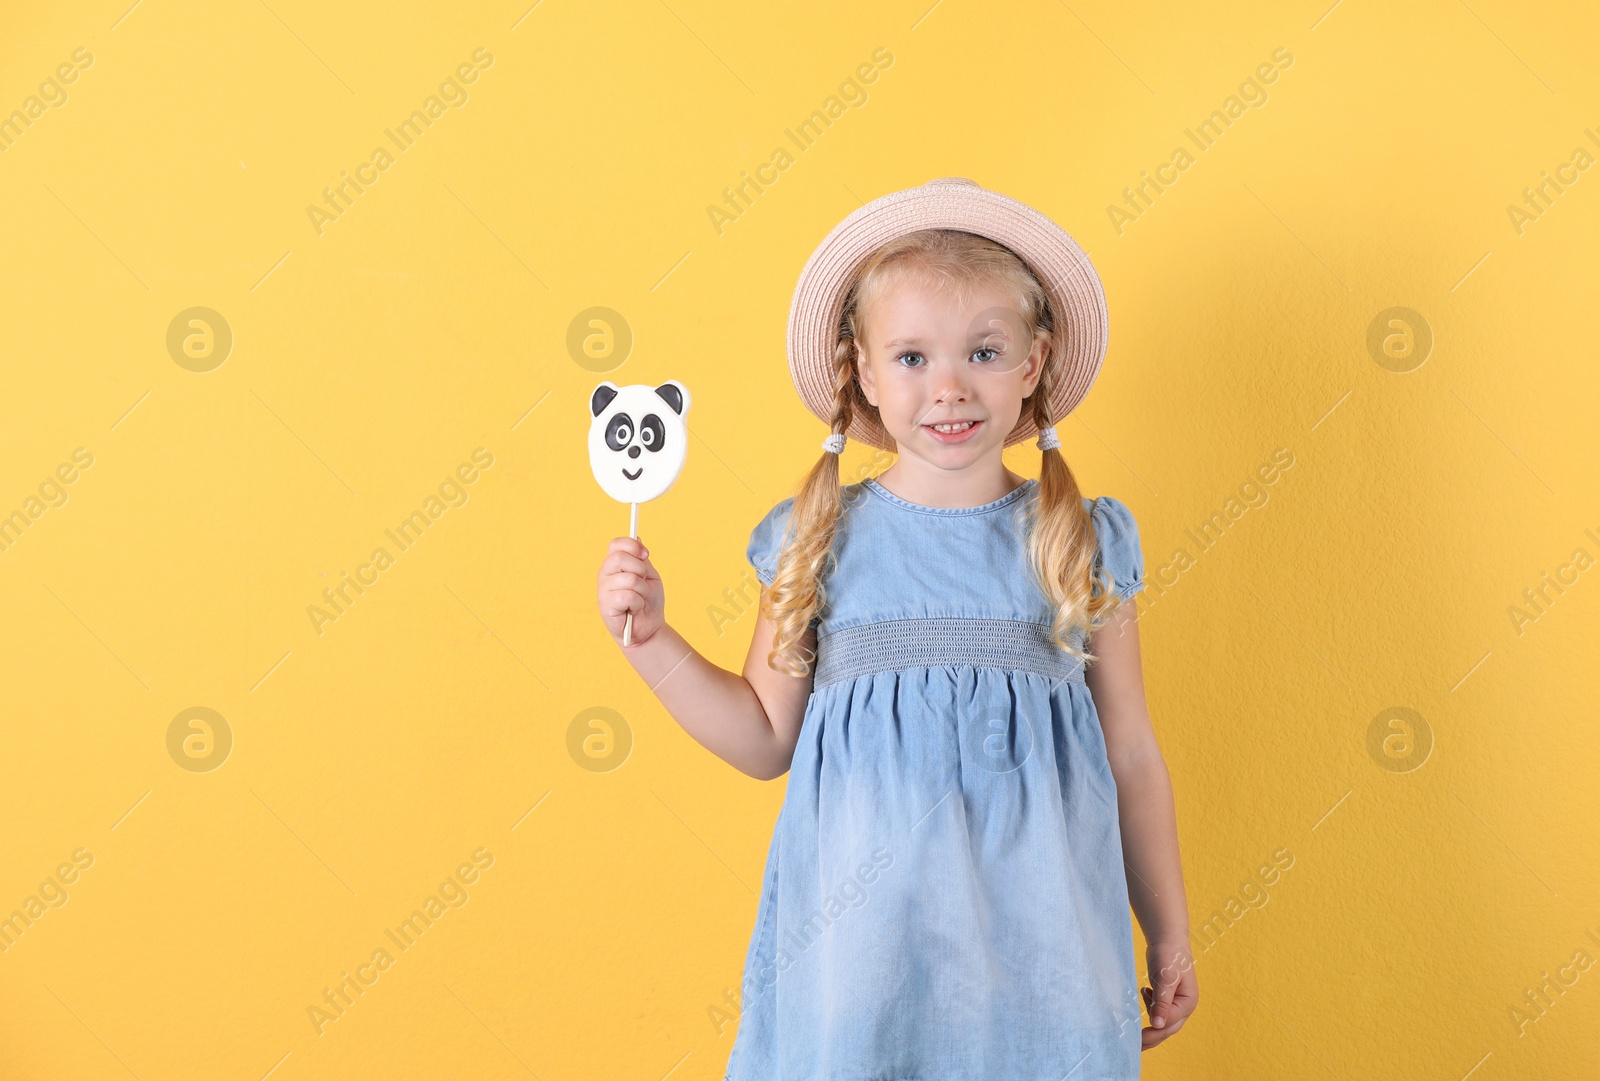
point(442, 714)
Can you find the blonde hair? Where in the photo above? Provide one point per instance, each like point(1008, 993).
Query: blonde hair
point(1061, 542)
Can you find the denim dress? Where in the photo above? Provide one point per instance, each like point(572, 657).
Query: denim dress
point(944, 897)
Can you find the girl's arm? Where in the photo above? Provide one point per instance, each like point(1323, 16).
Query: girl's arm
point(1148, 821)
point(752, 721)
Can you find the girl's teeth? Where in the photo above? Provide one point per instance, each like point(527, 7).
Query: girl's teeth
point(963, 426)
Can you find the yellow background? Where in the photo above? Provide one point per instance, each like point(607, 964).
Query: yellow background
point(432, 719)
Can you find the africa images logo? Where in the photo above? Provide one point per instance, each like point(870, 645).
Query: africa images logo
point(340, 196)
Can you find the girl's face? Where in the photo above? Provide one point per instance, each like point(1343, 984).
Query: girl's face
point(948, 377)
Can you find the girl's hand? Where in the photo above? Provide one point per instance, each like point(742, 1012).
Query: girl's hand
point(628, 583)
point(1173, 992)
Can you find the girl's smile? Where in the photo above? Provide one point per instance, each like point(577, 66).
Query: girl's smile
point(953, 431)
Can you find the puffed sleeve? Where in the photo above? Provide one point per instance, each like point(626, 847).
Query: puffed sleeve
point(1117, 539)
point(766, 541)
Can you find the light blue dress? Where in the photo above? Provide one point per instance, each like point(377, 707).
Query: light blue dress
point(944, 897)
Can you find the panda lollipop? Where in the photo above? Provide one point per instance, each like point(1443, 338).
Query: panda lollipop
point(638, 439)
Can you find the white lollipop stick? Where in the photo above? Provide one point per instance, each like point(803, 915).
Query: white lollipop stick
point(633, 531)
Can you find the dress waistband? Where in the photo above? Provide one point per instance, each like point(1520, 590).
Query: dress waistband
point(1009, 644)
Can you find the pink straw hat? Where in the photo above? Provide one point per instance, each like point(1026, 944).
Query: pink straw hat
point(1077, 300)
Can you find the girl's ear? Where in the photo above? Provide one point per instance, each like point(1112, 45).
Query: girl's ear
point(864, 373)
point(1038, 356)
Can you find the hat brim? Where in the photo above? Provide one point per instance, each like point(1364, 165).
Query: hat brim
point(1077, 298)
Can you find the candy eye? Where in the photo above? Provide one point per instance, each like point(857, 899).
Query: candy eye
point(619, 432)
point(652, 433)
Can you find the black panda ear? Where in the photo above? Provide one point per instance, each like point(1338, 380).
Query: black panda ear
point(602, 397)
point(673, 393)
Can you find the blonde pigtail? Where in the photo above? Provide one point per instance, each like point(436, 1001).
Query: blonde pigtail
point(1061, 541)
point(796, 593)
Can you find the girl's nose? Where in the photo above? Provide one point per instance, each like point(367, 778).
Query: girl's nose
point(953, 384)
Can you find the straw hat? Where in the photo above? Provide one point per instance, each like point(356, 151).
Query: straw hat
point(1077, 299)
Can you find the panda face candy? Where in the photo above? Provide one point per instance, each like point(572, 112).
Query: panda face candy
point(638, 438)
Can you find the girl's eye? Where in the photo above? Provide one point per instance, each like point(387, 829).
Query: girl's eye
point(917, 360)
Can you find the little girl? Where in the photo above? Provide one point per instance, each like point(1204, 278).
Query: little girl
point(945, 665)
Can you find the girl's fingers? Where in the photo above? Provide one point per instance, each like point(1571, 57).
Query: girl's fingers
point(1162, 1013)
point(622, 601)
point(1153, 1036)
point(1172, 1007)
point(1163, 1009)
point(637, 575)
point(631, 545)
point(622, 561)
point(1185, 997)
